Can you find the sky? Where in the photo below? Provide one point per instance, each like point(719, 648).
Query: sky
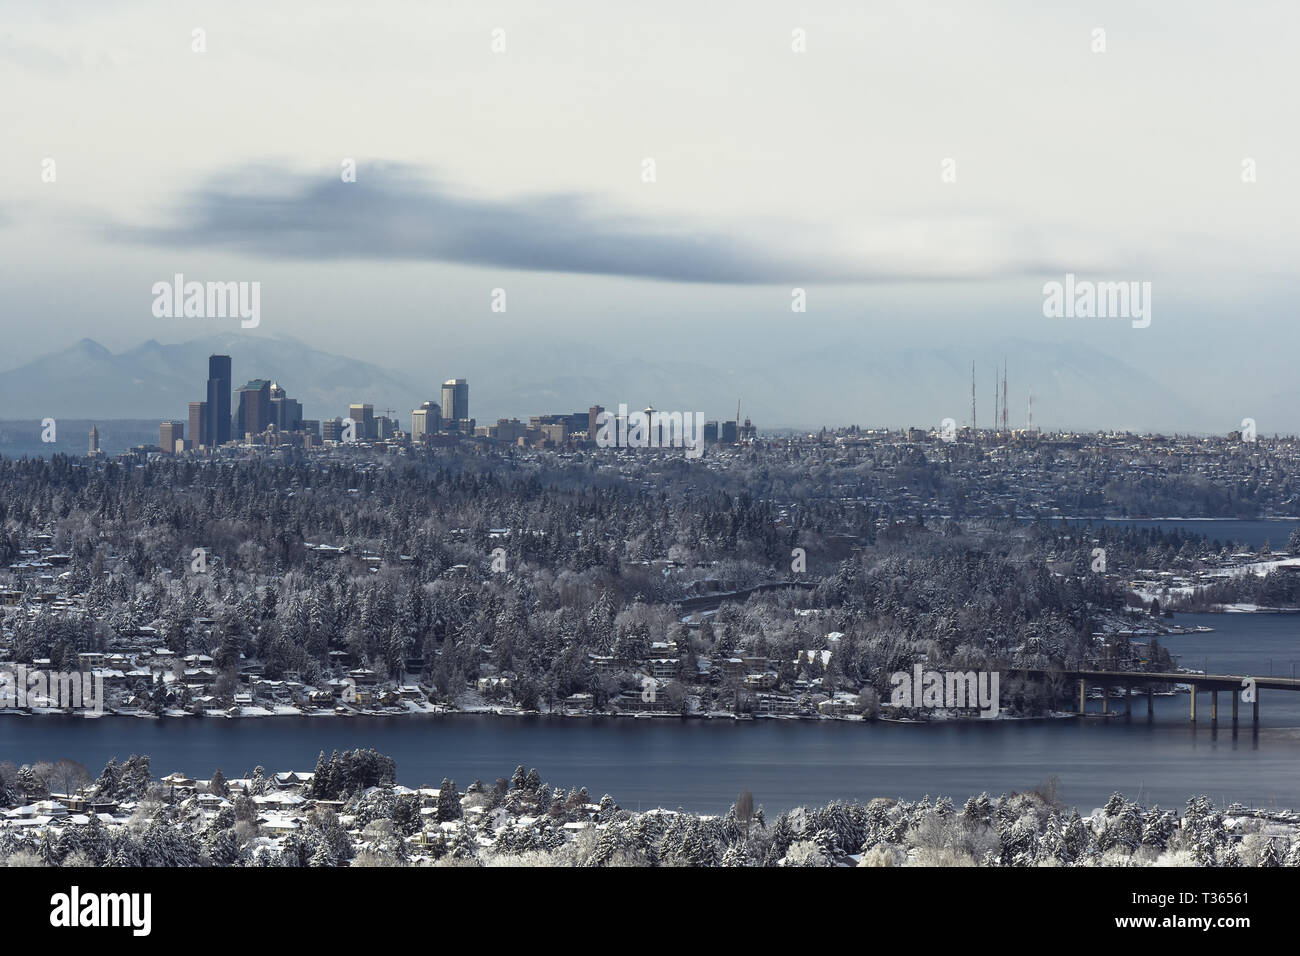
point(919, 169)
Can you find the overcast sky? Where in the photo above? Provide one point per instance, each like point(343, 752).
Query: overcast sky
point(524, 170)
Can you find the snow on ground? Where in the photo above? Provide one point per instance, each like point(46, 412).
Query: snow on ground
point(1259, 568)
point(1163, 591)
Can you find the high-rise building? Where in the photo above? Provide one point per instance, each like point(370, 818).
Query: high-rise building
point(577, 422)
point(425, 420)
point(455, 399)
point(169, 433)
point(254, 408)
point(364, 416)
point(593, 421)
point(217, 430)
point(198, 422)
point(94, 441)
point(728, 435)
point(292, 415)
point(331, 430)
point(286, 412)
point(507, 430)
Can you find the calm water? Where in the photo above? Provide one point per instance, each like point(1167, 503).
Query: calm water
point(1250, 533)
point(701, 765)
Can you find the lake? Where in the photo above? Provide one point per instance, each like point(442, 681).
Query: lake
point(1252, 533)
point(701, 765)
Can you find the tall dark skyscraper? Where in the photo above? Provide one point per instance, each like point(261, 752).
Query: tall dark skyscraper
point(219, 388)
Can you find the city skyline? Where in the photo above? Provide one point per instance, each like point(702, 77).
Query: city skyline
point(265, 412)
point(87, 376)
point(267, 415)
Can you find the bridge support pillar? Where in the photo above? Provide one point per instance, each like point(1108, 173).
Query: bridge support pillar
point(1151, 703)
point(1256, 706)
point(1193, 703)
point(1234, 711)
point(1083, 697)
point(1128, 701)
point(1214, 708)
point(1105, 698)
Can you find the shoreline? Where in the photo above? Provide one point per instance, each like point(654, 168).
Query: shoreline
point(945, 718)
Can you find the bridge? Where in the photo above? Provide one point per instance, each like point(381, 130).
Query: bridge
point(1213, 683)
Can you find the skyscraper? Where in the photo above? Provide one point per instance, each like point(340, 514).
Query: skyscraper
point(425, 420)
point(198, 422)
point(455, 399)
point(254, 408)
point(169, 433)
point(286, 412)
point(94, 440)
point(219, 385)
point(363, 416)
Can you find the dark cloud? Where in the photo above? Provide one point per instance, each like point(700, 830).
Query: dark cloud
point(392, 213)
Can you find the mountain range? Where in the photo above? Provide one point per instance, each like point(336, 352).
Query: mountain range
point(159, 381)
point(848, 381)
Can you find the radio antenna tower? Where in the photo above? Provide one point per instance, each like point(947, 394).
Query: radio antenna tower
point(1004, 394)
point(972, 399)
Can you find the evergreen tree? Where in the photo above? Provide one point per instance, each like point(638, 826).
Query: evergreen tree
point(449, 807)
point(218, 784)
point(1269, 855)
